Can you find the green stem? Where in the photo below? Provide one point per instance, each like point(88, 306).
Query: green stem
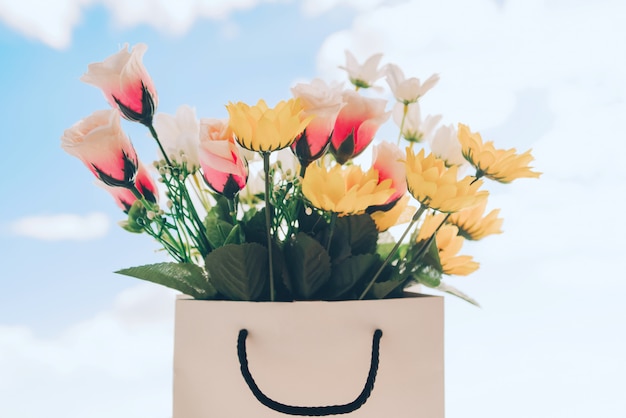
point(232, 209)
point(404, 113)
point(429, 241)
point(417, 215)
point(200, 238)
point(333, 221)
point(156, 138)
point(268, 220)
point(169, 247)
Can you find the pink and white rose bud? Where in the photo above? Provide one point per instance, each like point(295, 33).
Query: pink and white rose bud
point(409, 90)
point(324, 102)
point(414, 129)
point(357, 123)
point(223, 167)
point(180, 136)
point(126, 83)
point(388, 159)
point(101, 144)
point(125, 197)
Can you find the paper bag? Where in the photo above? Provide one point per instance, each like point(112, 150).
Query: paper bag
point(361, 359)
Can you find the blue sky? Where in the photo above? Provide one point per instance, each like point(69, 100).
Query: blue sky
point(550, 75)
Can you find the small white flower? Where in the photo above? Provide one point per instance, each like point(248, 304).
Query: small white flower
point(413, 128)
point(363, 76)
point(180, 135)
point(408, 90)
point(446, 146)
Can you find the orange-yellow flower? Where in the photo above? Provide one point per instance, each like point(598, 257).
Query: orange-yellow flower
point(497, 164)
point(259, 128)
point(449, 243)
point(437, 187)
point(345, 191)
point(400, 213)
point(473, 226)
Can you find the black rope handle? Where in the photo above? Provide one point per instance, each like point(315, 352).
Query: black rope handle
point(316, 411)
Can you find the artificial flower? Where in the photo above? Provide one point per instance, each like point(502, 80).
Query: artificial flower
point(126, 83)
point(179, 135)
point(357, 123)
point(363, 76)
point(437, 187)
point(409, 119)
point(500, 165)
point(399, 214)
point(473, 226)
point(344, 190)
point(449, 244)
point(388, 160)
point(409, 90)
point(223, 167)
point(323, 102)
point(259, 128)
point(446, 146)
point(101, 144)
point(125, 198)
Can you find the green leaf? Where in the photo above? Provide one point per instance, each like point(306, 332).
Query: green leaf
point(349, 272)
point(308, 264)
point(136, 217)
point(235, 236)
point(431, 257)
point(217, 231)
point(312, 223)
point(126, 225)
point(220, 210)
point(456, 292)
point(429, 276)
point(254, 228)
point(239, 272)
point(361, 232)
point(185, 277)
point(380, 290)
point(384, 249)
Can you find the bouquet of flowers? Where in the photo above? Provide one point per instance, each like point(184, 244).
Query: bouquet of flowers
point(309, 223)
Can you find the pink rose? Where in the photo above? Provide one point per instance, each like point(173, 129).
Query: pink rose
point(126, 84)
point(356, 125)
point(125, 197)
point(223, 167)
point(101, 144)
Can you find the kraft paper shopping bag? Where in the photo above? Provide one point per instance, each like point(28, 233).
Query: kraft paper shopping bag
point(367, 359)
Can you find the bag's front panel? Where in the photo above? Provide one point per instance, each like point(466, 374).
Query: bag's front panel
point(309, 354)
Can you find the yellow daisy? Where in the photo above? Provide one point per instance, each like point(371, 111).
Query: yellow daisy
point(259, 128)
point(497, 164)
point(344, 190)
point(473, 226)
point(437, 187)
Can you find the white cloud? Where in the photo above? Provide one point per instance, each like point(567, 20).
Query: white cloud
point(62, 227)
point(48, 21)
point(52, 22)
point(485, 53)
point(117, 363)
point(317, 7)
